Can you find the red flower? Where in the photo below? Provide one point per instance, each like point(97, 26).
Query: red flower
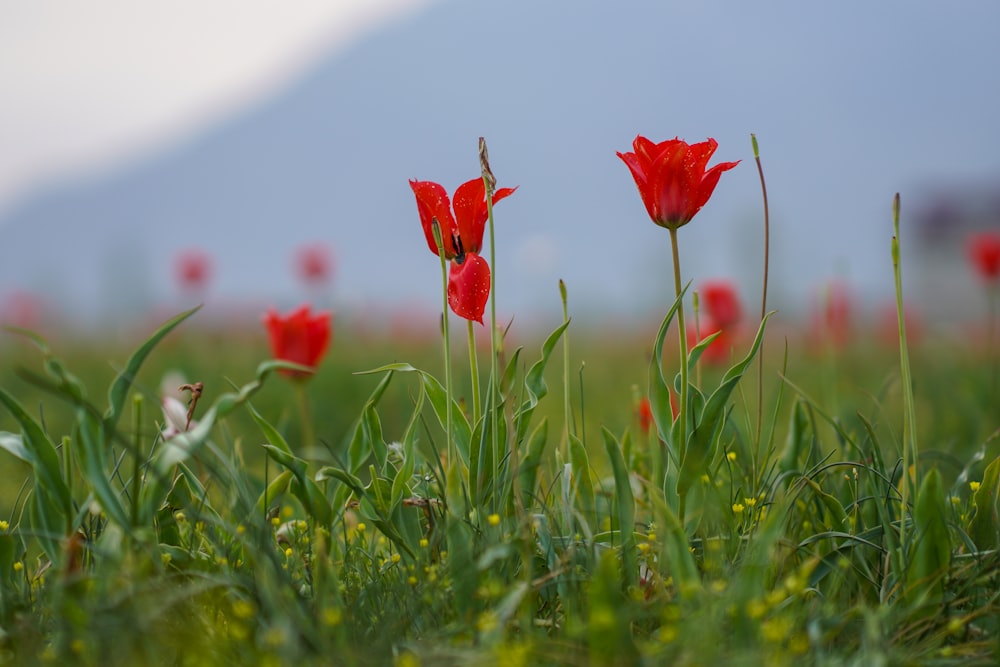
point(462, 239)
point(984, 253)
point(193, 267)
point(300, 337)
point(314, 264)
point(672, 178)
point(721, 302)
point(832, 319)
point(718, 351)
point(645, 411)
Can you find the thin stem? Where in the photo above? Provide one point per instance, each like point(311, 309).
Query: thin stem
point(763, 298)
point(439, 240)
point(136, 455)
point(567, 405)
point(682, 335)
point(495, 347)
point(909, 409)
point(474, 371)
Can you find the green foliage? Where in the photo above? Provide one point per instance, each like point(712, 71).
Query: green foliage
point(128, 546)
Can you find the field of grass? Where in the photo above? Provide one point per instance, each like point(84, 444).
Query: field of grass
point(786, 495)
point(787, 552)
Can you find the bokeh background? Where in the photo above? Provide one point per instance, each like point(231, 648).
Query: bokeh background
point(131, 134)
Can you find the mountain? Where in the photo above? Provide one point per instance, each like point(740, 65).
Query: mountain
point(851, 102)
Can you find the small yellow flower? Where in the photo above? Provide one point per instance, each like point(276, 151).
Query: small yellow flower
point(651, 537)
point(243, 609)
point(288, 511)
point(276, 521)
point(738, 508)
point(18, 566)
point(288, 552)
point(332, 616)
point(361, 527)
point(750, 502)
point(396, 558)
point(493, 519)
point(4, 525)
point(411, 580)
point(731, 456)
point(424, 543)
point(240, 529)
point(705, 479)
point(974, 486)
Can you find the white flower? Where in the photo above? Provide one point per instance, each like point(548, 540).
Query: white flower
point(174, 417)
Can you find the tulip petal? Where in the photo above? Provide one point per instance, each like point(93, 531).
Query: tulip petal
point(433, 203)
point(300, 337)
point(469, 287)
point(470, 214)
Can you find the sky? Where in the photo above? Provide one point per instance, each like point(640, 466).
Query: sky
point(852, 101)
point(138, 75)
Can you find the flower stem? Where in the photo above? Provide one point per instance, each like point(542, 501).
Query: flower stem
point(439, 240)
point(682, 336)
point(763, 298)
point(494, 346)
point(136, 456)
point(474, 370)
point(909, 409)
point(567, 405)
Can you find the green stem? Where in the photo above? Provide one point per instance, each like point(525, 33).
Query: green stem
point(763, 300)
point(438, 239)
point(474, 371)
point(909, 409)
point(682, 336)
point(567, 404)
point(495, 349)
point(136, 456)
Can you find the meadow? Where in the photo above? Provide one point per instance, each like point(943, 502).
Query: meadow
point(764, 490)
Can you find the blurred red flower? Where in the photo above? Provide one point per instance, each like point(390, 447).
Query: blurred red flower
point(193, 268)
point(462, 239)
point(832, 318)
point(719, 350)
point(300, 337)
point(314, 263)
point(672, 177)
point(721, 302)
point(645, 411)
point(984, 253)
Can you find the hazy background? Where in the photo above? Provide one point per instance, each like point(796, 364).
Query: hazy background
point(129, 132)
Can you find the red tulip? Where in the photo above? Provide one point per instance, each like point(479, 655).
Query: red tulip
point(984, 253)
point(300, 337)
point(314, 264)
point(462, 239)
point(672, 178)
point(721, 303)
point(193, 267)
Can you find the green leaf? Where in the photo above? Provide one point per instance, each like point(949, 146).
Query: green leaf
point(583, 485)
point(534, 381)
point(94, 467)
point(932, 548)
point(659, 391)
point(624, 508)
point(703, 441)
point(984, 528)
point(44, 457)
point(119, 388)
point(274, 490)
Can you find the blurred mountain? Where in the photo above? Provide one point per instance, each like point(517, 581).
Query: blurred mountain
point(851, 102)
